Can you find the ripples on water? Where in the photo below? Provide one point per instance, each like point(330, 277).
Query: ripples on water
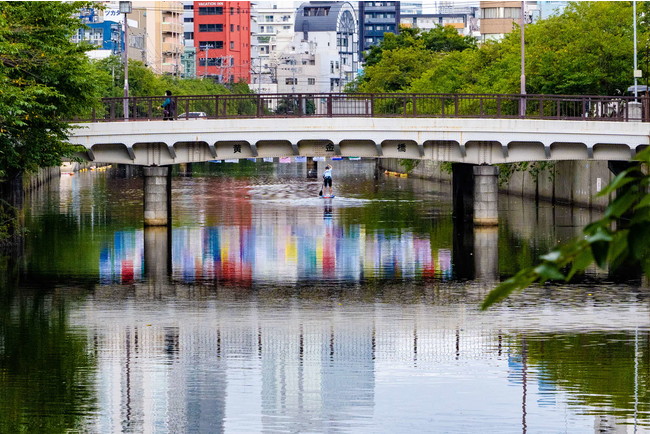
point(268, 309)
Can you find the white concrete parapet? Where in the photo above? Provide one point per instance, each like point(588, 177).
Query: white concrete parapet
point(474, 141)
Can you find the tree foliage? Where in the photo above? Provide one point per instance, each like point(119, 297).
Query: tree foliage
point(588, 49)
point(44, 79)
point(400, 59)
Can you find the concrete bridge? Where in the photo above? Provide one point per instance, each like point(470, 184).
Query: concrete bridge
point(477, 130)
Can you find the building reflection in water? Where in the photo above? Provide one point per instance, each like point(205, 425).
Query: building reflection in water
point(284, 252)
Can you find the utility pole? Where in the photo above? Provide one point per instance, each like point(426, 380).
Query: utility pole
point(636, 72)
point(126, 8)
point(259, 75)
point(522, 102)
point(206, 61)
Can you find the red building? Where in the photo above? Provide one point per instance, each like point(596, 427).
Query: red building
point(222, 40)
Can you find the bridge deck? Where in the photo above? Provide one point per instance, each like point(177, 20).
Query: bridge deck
point(477, 141)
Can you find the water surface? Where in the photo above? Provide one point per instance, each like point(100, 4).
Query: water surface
point(267, 309)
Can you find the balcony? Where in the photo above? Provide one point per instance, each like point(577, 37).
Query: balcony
point(172, 7)
point(172, 47)
point(168, 27)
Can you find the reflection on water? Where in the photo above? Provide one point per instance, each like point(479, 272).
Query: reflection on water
point(267, 309)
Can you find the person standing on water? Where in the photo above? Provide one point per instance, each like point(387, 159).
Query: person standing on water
point(327, 179)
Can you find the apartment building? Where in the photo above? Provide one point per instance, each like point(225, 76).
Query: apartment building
point(271, 23)
point(324, 53)
point(375, 19)
point(222, 40)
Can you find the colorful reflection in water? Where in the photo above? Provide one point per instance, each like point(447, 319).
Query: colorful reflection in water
point(284, 254)
point(122, 261)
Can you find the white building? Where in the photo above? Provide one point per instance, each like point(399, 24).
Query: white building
point(269, 20)
point(323, 55)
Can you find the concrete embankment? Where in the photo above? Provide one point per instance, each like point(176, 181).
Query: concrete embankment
point(566, 182)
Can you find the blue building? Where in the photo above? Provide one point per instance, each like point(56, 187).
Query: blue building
point(375, 19)
point(104, 30)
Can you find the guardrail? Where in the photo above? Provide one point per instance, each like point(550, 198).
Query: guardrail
point(516, 106)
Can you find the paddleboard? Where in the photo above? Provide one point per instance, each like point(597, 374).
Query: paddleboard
point(327, 197)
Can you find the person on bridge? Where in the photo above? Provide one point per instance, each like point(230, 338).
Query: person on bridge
point(169, 107)
point(327, 180)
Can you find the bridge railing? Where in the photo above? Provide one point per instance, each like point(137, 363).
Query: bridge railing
point(564, 107)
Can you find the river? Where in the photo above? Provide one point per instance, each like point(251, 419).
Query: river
point(265, 308)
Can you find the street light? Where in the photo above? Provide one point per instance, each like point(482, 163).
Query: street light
point(522, 78)
point(126, 8)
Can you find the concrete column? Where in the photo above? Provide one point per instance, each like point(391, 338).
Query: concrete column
point(635, 111)
point(486, 195)
point(156, 196)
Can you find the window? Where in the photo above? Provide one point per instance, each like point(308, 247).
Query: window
point(268, 18)
point(317, 11)
point(188, 7)
point(212, 61)
point(188, 19)
point(189, 35)
point(311, 81)
point(232, 45)
point(512, 13)
point(291, 81)
point(490, 13)
point(211, 11)
point(232, 11)
point(232, 28)
point(210, 27)
point(210, 45)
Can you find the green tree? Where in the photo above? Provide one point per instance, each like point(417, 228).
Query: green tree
point(398, 60)
point(585, 50)
point(438, 39)
point(44, 79)
point(397, 69)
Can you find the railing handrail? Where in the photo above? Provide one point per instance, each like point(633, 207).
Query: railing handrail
point(400, 104)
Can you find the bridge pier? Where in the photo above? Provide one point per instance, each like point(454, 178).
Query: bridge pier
point(157, 196)
point(476, 193)
point(486, 195)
